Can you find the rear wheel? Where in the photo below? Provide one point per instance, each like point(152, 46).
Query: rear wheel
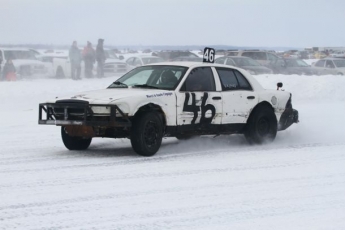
point(261, 126)
point(147, 134)
point(74, 143)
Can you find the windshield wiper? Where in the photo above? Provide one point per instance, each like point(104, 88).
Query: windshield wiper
point(145, 86)
point(119, 83)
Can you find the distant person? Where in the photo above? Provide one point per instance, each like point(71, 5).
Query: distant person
point(0, 61)
point(89, 56)
point(75, 58)
point(9, 71)
point(100, 57)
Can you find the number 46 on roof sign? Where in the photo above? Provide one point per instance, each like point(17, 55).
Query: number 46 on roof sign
point(208, 55)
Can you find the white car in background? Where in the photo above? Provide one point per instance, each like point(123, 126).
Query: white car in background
point(334, 66)
point(25, 62)
point(141, 60)
point(113, 65)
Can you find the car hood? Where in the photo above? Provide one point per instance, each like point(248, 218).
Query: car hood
point(105, 96)
point(110, 60)
point(19, 62)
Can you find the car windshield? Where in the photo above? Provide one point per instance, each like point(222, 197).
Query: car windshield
point(245, 62)
point(149, 60)
point(110, 54)
point(19, 54)
point(339, 63)
point(153, 77)
point(296, 63)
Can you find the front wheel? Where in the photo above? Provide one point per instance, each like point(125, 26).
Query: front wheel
point(74, 143)
point(147, 134)
point(261, 126)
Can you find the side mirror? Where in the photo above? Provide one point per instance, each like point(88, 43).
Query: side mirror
point(121, 57)
point(279, 85)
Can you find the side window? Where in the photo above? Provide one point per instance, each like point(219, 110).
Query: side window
point(220, 60)
point(229, 61)
point(232, 80)
point(329, 64)
point(244, 84)
point(255, 55)
point(228, 79)
point(320, 63)
point(130, 61)
point(200, 79)
point(271, 57)
point(137, 62)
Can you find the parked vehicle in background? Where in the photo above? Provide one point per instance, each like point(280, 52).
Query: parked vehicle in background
point(338, 54)
point(263, 57)
point(188, 59)
point(331, 66)
point(141, 60)
point(169, 55)
point(252, 66)
point(290, 65)
point(113, 65)
point(25, 62)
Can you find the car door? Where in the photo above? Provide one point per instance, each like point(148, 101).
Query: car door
point(238, 96)
point(330, 67)
point(320, 66)
point(199, 101)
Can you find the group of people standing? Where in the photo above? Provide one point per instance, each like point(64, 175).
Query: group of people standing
point(90, 56)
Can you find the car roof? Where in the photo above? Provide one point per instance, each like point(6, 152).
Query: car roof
point(15, 49)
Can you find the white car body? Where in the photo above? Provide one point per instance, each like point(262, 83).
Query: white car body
point(183, 111)
point(335, 66)
point(25, 62)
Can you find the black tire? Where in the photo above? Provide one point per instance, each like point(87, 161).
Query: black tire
point(261, 126)
point(74, 143)
point(59, 73)
point(147, 134)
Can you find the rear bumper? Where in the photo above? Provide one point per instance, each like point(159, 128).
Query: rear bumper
point(288, 117)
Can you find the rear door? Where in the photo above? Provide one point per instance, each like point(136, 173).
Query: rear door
point(238, 96)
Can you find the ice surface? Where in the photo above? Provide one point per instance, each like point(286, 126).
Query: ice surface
point(297, 182)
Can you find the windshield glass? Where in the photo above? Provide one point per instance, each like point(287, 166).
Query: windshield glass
point(296, 63)
point(245, 62)
point(157, 77)
point(339, 63)
point(110, 54)
point(301, 63)
point(19, 54)
point(149, 60)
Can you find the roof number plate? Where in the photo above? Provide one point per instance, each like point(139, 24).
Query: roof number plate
point(209, 55)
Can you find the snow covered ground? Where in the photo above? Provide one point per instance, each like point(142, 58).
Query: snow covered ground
point(297, 182)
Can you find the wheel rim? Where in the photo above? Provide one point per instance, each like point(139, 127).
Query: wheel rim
point(263, 126)
point(151, 134)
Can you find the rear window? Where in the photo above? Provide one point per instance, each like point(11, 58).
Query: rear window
point(232, 80)
point(255, 55)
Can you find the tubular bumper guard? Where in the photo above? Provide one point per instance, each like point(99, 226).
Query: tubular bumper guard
point(80, 114)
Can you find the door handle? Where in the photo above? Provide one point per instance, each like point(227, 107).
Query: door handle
point(250, 97)
point(216, 98)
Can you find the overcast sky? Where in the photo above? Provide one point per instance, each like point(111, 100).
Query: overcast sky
point(273, 23)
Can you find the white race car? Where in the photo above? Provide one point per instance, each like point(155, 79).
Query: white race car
point(179, 99)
